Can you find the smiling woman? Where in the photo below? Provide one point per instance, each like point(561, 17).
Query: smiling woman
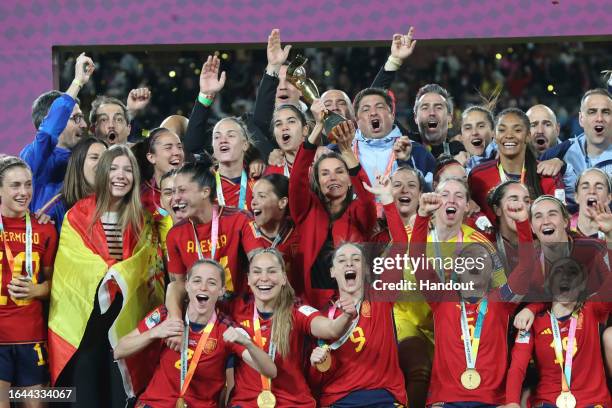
point(110, 230)
point(516, 161)
point(27, 243)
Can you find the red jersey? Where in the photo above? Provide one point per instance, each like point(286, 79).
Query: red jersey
point(449, 354)
point(234, 242)
point(368, 360)
point(231, 191)
point(284, 170)
point(485, 177)
point(588, 380)
point(289, 247)
point(289, 387)
point(22, 321)
point(209, 377)
point(313, 221)
point(589, 252)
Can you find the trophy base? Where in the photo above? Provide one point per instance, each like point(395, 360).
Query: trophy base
point(331, 120)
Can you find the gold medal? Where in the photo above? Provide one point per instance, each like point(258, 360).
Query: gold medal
point(566, 400)
point(325, 365)
point(470, 379)
point(266, 399)
point(180, 403)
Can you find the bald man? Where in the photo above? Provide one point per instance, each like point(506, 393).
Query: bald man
point(544, 128)
point(339, 102)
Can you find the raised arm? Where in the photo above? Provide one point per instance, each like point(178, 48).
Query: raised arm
point(37, 154)
point(402, 47)
point(196, 137)
point(266, 93)
point(520, 277)
point(363, 210)
point(328, 329)
point(300, 196)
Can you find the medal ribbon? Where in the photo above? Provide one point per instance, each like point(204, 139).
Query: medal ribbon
point(502, 173)
point(471, 345)
point(266, 383)
point(28, 247)
point(187, 374)
point(338, 343)
point(566, 373)
point(243, 188)
point(438, 251)
point(214, 235)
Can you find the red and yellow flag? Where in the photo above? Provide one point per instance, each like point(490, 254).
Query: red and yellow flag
point(82, 262)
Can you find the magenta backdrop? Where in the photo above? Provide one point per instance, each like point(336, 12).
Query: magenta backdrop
point(29, 29)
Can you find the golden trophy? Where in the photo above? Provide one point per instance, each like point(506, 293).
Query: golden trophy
point(296, 74)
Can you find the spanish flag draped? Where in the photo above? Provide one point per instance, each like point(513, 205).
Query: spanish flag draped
point(82, 263)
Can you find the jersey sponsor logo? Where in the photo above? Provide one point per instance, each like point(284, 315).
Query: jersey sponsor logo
point(153, 319)
point(245, 323)
point(307, 310)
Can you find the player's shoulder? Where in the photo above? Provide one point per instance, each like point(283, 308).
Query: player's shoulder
point(483, 167)
point(47, 229)
point(234, 213)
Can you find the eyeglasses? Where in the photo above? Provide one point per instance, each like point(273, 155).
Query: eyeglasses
point(77, 118)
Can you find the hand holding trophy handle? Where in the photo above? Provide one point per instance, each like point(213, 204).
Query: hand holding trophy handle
point(296, 74)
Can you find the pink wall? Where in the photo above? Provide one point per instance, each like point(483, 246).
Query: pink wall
point(30, 28)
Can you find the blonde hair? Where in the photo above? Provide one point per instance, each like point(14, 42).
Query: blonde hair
point(282, 319)
point(130, 208)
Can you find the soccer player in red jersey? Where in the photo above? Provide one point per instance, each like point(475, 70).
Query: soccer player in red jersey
point(279, 324)
point(230, 143)
point(361, 369)
point(516, 161)
point(272, 226)
point(207, 335)
point(462, 371)
point(207, 231)
point(505, 234)
point(447, 167)
point(290, 128)
point(564, 342)
point(406, 187)
point(27, 251)
point(328, 213)
point(164, 152)
point(551, 224)
point(593, 187)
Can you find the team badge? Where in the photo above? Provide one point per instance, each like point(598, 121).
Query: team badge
point(210, 346)
point(366, 309)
